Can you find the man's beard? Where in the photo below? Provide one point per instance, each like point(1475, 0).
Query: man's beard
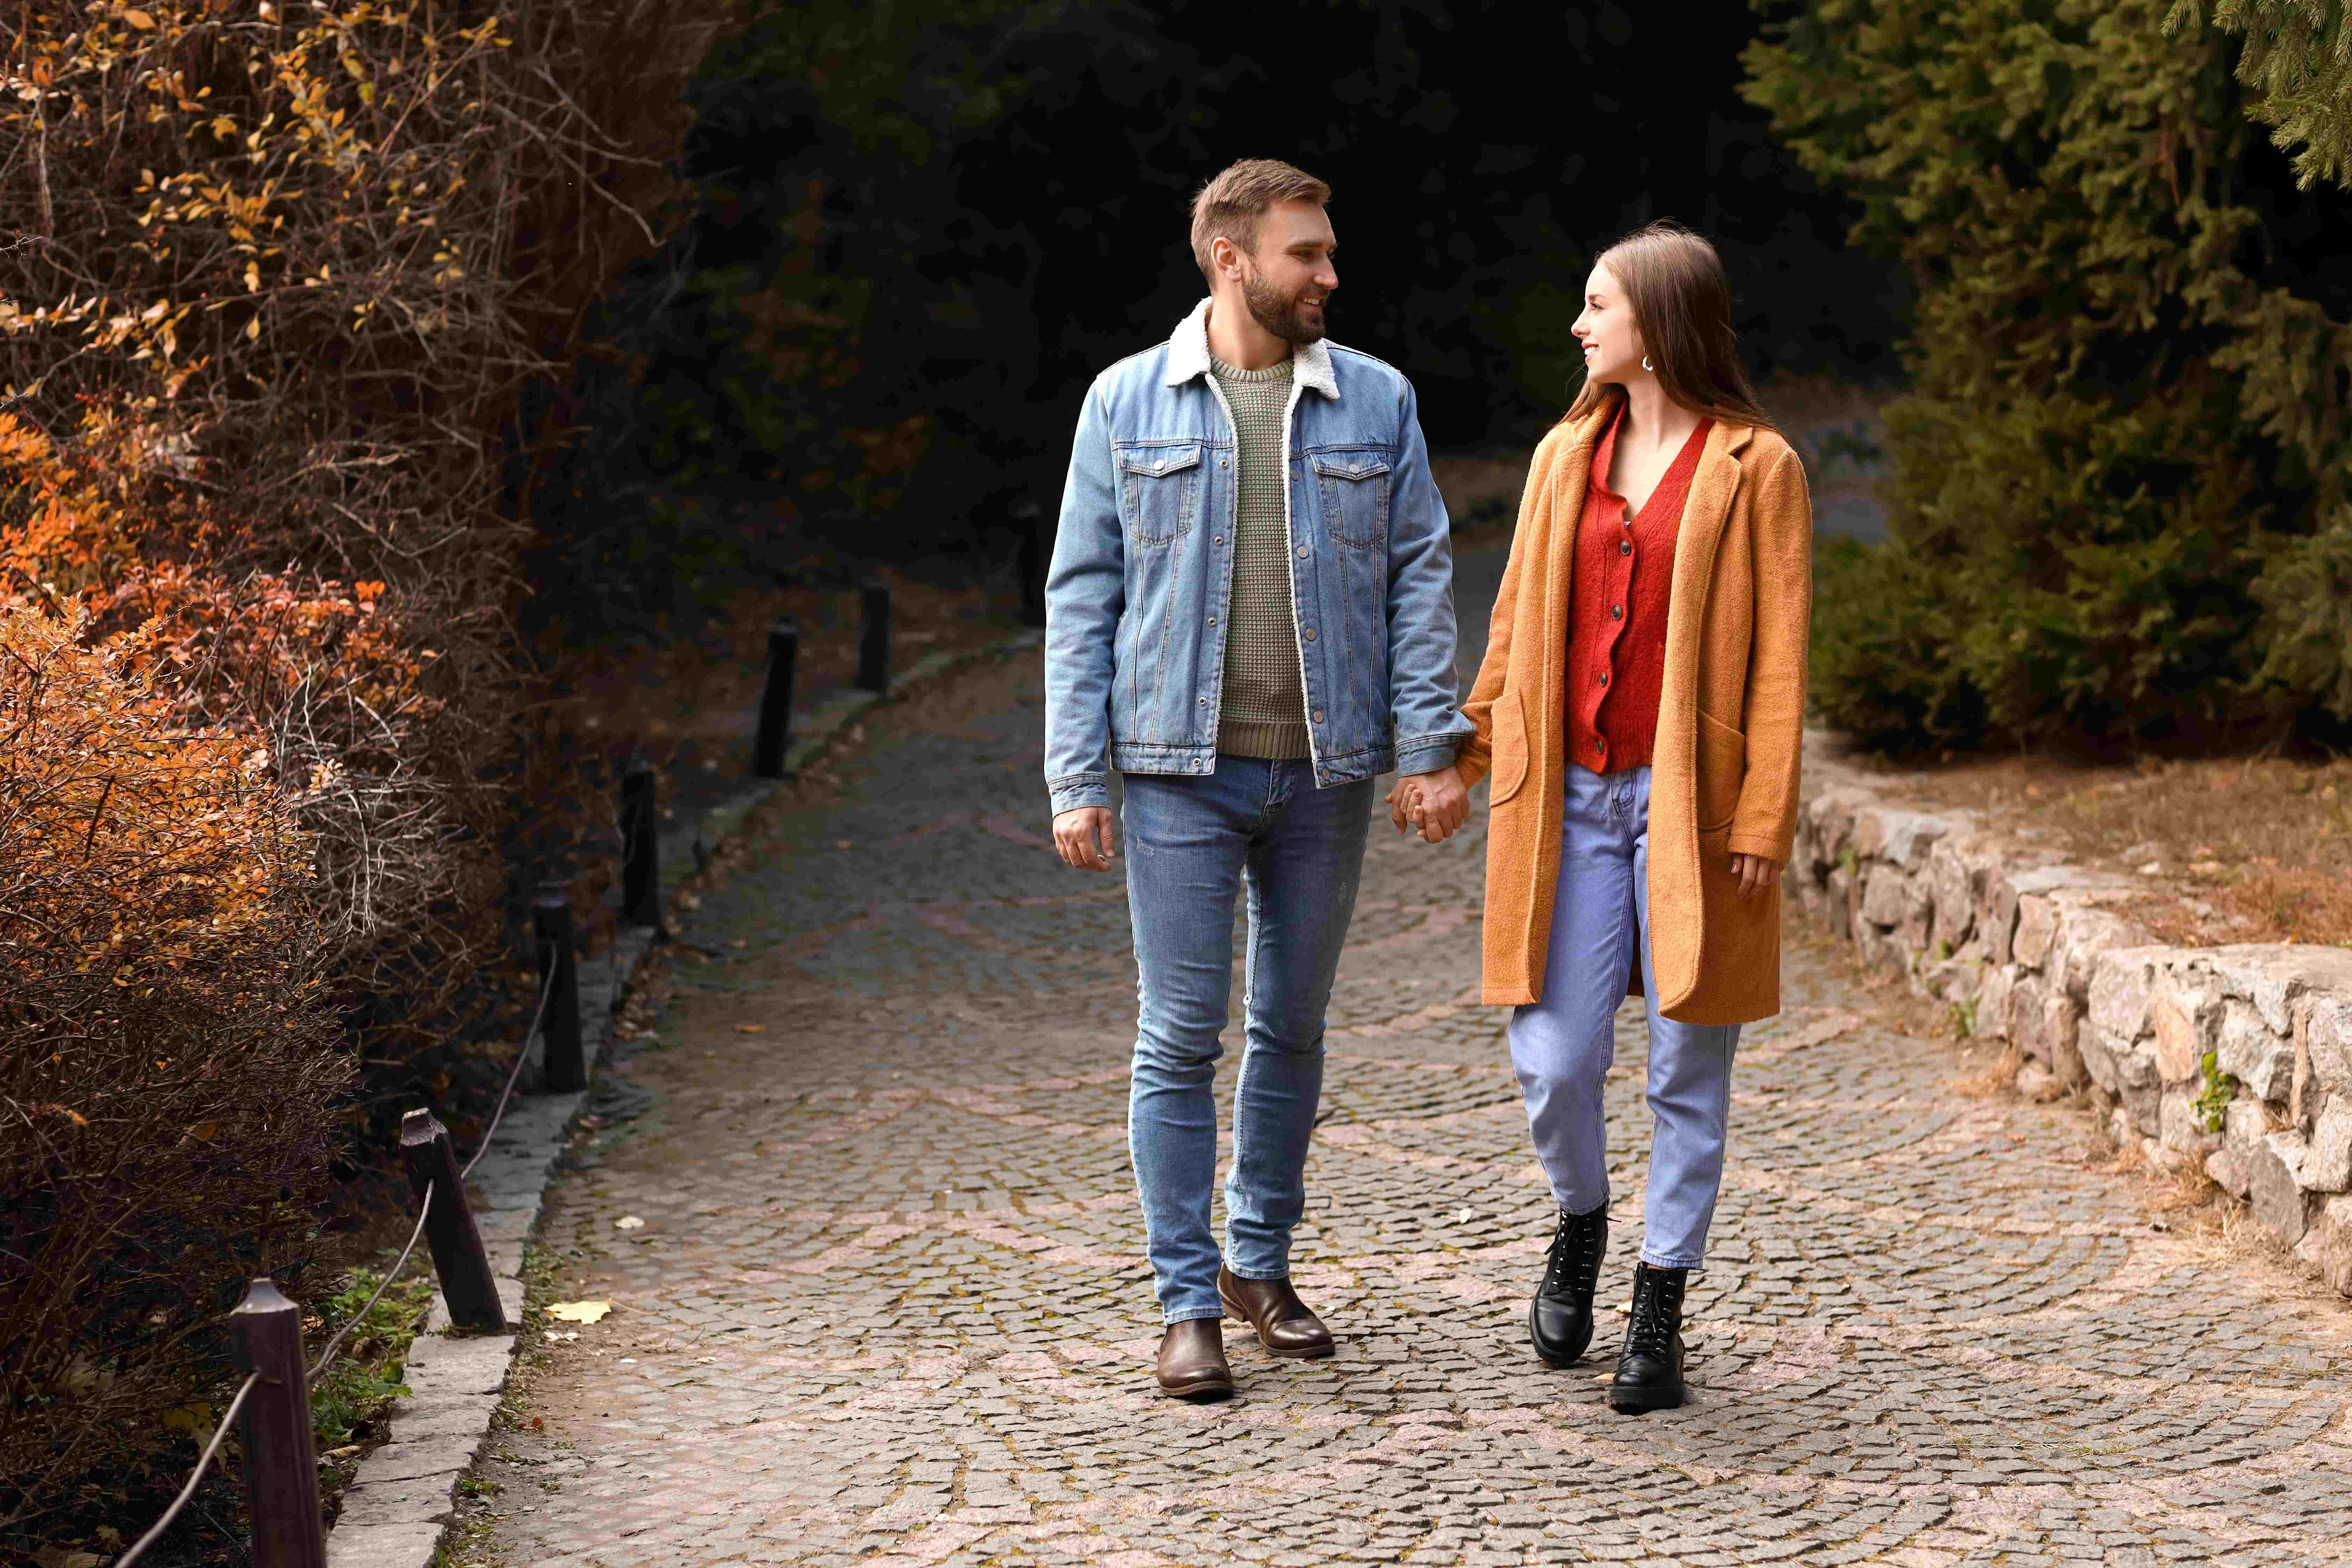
point(1277, 312)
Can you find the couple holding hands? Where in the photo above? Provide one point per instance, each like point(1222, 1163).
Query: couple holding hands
point(1249, 616)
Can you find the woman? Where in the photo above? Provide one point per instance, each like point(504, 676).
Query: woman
point(1638, 710)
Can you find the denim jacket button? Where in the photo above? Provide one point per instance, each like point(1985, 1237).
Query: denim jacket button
point(1318, 715)
point(1302, 550)
point(1310, 634)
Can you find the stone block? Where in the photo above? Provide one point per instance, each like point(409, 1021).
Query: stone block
point(2327, 1245)
point(2327, 1164)
point(2279, 1200)
point(2229, 1171)
point(2121, 986)
point(2062, 1022)
point(2328, 1036)
point(1837, 902)
point(2179, 1128)
point(1877, 948)
point(1996, 914)
point(1919, 914)
point(2024, 1025)
point(2143, 1097)
point(1992, 999)
point(1952, 884)
point(1885, 893)
point(1955, 980)
point(2085, 932)
point(2272, 975)
point(352, 1545)
point(1835, 824)
point(1901, 837)
point(2179, 1050)
point(2037, 927)
point(2247, 1051)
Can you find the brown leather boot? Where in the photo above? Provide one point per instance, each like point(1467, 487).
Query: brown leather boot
point(1193, 1360)
point(1284, 1326)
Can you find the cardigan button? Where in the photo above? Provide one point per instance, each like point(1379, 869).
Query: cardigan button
point(1624, 547)
point(1616, 612)
point(1605, 678)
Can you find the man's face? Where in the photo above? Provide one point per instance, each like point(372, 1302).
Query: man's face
point(1286, 280)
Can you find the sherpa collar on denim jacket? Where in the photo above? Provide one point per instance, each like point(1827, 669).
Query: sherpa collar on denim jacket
point(1188, 355)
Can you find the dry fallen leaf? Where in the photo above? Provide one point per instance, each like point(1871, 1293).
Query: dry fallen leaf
point(628, 1222)
point(751, 1029)
point(579, 1311)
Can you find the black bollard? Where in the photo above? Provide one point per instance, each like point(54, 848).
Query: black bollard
point(773, 738)
point(1030, 521)
point(551, 919)
point(640, 845)
point(874, 640)
point(467, 1283)
point(281, 1459)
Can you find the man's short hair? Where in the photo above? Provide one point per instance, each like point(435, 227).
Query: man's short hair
point(1231, 205)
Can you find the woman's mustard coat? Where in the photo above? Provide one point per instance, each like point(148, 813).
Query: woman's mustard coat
point(1730, 720)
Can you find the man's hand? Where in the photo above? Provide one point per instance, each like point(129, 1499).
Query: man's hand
point(1755, 873)
point(1083, 837)
point(1436, 804)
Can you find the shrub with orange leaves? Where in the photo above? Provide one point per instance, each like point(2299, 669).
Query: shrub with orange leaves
point(166, 1063)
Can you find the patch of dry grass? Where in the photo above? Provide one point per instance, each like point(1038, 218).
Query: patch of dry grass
point(2244, 848)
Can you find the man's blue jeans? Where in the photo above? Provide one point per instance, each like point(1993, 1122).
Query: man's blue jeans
point(1562, 1046)
point(1192, 842)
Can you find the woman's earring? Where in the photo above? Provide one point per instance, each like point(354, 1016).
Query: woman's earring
point(1646, 364)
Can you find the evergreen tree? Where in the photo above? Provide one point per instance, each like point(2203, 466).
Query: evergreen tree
point(2117, 510)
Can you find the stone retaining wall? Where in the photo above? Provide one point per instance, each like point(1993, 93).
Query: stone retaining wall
point(2237, 1059)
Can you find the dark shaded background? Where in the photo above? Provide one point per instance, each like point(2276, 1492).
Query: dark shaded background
point(920, 238)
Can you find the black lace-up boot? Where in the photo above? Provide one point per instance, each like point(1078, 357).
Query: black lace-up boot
point(1560, 1319)
point(1649, 1370)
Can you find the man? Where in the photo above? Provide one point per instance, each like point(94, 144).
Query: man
point(1249, 615)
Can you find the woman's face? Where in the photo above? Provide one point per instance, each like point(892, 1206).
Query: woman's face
point(1612, 343)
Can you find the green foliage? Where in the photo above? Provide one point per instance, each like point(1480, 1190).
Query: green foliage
point(2121, 435)
point(2214, 1100)
point(364, 1376)
point(2298, 59)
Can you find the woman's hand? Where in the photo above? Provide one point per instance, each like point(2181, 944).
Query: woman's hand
point(1755, 873)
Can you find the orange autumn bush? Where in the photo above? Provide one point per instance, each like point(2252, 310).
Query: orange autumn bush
point(169, 1066)
point(290, 291)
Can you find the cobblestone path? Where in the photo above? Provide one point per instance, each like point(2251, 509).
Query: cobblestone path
point(887, 1302)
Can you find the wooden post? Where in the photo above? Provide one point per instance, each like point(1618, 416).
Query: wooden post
point(1030, 519)
point(551, 916)
point(640, 845)
point(467, 1283)
point(281, 1459)
point(874, 640)
point(773, 739)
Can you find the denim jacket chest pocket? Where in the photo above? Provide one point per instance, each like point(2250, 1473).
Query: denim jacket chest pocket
point(1159, 489)
point(1352, 484)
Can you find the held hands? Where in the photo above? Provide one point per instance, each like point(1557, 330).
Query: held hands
point(1434, 804)
point(1083, 837)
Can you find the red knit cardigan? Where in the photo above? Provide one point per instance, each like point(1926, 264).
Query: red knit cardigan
point(1618, 595)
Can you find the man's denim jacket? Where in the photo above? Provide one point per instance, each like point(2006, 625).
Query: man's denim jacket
point(1142, 575)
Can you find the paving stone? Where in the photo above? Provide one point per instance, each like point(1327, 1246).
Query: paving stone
point(889, 1302)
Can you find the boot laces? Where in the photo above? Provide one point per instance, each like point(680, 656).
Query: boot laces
point(1575, 1252)
point(1657, 1314)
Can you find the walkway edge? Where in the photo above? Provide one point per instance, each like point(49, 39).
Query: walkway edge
point(403, 1498)
point(2033, 951)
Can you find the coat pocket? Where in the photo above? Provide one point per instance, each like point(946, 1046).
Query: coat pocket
point(1353, 486)
point(1508, 750)
point(1159, 489)
point(1722, 769)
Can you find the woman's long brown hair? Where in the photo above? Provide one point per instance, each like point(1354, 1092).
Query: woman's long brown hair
point(1681, 300)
